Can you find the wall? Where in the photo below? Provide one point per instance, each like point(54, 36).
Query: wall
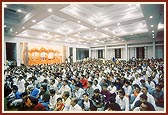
point(159, 51)
point(131, 52)
point(150, 52)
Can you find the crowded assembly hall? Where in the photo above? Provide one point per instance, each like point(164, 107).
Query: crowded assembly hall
point(83, 57)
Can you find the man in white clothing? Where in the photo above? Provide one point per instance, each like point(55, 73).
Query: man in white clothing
point(150, 98)
point(96, 85)
point(74, 106)
point(53, 99)
point(67, 101)
point(122, 100)
point(64, 88)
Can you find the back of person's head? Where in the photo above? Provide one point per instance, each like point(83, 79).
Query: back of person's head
point(66, 94)
point(52, 91)
point(143, 96)
point(86, 94)
point(75, 100)
point(59, 99)
point(90, 82)
point(96, 91)
point(14, 87)
point(77, 85)
point(66, 81)
point(105, 85)
point(33, 100)
point(44, 87)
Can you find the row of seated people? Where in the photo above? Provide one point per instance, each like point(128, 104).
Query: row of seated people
point(101, 89)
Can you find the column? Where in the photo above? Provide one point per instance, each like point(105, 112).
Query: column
point(105, 52)
point(154, 50)
point(145, 52)
point(64, 52)
point(90, 53)
point(18, 53)
point(4, 53)
point(126, 52)
point(135, 52)
point(74, 54)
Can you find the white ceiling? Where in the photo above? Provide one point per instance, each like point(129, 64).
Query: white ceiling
point(85, 24)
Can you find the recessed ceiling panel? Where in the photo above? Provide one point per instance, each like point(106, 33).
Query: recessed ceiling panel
point(58, 25)
point(91, 35)
point(128, 29)
point(37, 34)
point(100, 15)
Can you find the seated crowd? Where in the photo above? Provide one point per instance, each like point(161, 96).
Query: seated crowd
point(90, 85)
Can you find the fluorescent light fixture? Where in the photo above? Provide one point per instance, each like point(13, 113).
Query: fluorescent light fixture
point(50, 10)
point(151, 25)
point(4, 26)
point(34, 21)
point(23, 27)
point(151, 17)
point(153, 31)
point(19, 10)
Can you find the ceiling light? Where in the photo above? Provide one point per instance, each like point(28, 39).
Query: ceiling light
point(5, 6)
point(23, 27)
point(150, 16)
point(48, 32)
point(78, 21)
point(153, 31)
point(11, 29)
point(19, 10)
point(16, 32)
point(49, 10)
point(151, 25)
point(153, 37)
point(118, 24)
point(4, 26)
point(33, 20)
point(153, 34)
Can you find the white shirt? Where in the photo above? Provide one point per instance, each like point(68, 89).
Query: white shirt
point(150, 99)
point(86, 104)
point(97, 87)
point(21, 85)
point(65, 88)
point(67, 104)
point(53, 87)
point(53, 101)
point(79, 93)
point(127, 90)
point(112, 89)
point(124, 103)
point(75, 108)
